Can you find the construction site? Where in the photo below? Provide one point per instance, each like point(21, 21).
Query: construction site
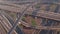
point(29, 16)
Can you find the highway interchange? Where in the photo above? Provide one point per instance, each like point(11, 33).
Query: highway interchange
point(16, 8)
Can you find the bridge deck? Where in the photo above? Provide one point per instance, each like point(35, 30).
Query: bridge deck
point(19, 8)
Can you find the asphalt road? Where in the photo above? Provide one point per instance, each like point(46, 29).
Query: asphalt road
point(18, 30)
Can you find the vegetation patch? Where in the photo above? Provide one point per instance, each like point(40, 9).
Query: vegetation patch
point(23, 18)
point(37, 6)
point(33, 22)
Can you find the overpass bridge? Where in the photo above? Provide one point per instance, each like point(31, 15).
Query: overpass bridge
point(37, 27)
point(6, 24)
point(8, 6)
point(19, 8)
